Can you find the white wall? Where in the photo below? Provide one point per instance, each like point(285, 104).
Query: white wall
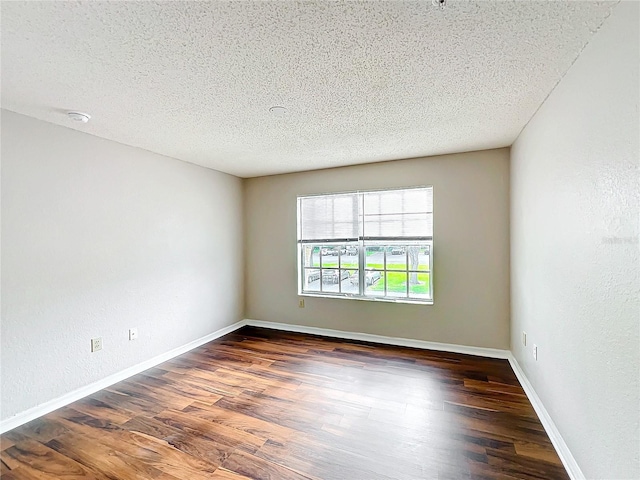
point(575, 252)
point(471, 250)
point(98, 237)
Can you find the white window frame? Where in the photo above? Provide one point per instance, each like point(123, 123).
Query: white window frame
point(362, 242)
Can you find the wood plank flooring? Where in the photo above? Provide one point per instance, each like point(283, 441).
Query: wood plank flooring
point(264, 404)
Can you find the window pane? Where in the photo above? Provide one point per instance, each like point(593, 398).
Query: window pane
point(329, 256)
point(396, 257)
point(350, 282)
point(311, 255)
point(349, 256)
point(396, 284)
point(312, 280)
point(426, 252)
point(374, 283)
point(418, 259)
point(374, 257)
point(419, 285)
point(353, 281)
point(331, 280)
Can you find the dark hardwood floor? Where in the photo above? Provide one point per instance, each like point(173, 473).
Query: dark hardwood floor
point(264, 404)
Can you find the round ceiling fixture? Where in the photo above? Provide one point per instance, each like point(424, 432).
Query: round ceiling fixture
point(278, 111)
point(79, 116)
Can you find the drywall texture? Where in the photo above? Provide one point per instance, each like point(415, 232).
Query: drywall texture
point(471, 250)
point(575, 251)
point(363, 81)
point(98, 237)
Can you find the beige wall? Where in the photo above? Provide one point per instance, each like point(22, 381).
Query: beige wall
point(98, 237)
point(575, 257)
point(471, 250)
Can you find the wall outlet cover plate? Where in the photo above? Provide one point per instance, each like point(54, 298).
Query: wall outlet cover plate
point(96, 344)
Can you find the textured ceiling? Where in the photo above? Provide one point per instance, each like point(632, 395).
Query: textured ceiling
point(363, 81)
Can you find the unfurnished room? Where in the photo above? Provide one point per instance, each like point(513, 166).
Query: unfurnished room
point(320, 240)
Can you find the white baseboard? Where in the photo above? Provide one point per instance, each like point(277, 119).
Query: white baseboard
point(558, 442)
point(66, 399)
point(367, 337)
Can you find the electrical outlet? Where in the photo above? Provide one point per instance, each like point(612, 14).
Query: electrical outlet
point(96, 344)
point(524, 338)
point(133, 334)
point(301, 303)
point(535, 351)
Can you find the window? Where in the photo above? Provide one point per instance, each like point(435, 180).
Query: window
point(375, 245)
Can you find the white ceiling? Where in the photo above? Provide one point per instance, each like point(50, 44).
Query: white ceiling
point(363, 81)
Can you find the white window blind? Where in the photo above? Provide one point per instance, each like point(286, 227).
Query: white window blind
point(374, 215)
point(329, 217)
point(394, 214)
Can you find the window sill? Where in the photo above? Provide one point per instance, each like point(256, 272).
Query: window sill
point(369, 299)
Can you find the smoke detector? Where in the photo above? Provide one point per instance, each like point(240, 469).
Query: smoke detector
point(79, 116)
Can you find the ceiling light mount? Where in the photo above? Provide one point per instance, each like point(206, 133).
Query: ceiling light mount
point(278, 111)
point(79, 116)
